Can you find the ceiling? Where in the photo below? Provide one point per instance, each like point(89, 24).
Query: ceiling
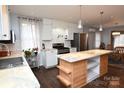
point(113, 14)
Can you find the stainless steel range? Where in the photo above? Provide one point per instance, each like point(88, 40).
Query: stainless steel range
point(60, 47)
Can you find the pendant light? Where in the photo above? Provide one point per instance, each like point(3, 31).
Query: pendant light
point(80, 21)
point(101, 27)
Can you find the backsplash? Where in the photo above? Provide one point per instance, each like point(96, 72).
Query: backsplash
point(15, 47)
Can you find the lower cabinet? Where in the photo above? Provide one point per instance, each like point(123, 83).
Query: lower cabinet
point(80, 73)
point(103, 64)
point(49, 58)
point(73, 74)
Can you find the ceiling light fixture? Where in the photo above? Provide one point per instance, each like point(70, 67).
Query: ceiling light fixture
point(80, 21)
point(101, 27)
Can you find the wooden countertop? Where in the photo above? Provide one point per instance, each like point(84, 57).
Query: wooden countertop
point(77, 56)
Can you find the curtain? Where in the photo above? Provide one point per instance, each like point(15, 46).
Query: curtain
point(97, 39)
point(30, 33)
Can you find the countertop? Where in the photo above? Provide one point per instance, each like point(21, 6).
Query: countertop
point(18, 77)
point(77, 56)
point(13, 54)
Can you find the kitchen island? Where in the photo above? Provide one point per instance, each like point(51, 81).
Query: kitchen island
point(79, 68)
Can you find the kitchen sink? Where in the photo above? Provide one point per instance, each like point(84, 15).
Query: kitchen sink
point(11, 62)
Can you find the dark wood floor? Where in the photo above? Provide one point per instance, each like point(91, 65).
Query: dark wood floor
point(47, 78)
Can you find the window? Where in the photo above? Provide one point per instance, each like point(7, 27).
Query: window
point(29, 34)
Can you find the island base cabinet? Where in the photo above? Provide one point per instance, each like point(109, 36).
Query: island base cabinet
point(78, 69)
point(73, 74)
point(103, 64)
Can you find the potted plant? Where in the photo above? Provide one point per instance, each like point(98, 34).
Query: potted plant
point(30, 55)
point(27, 53)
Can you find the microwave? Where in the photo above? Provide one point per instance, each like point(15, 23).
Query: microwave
point(12, 38)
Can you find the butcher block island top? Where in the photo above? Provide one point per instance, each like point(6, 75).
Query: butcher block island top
point(79, 68)
point(77, 56)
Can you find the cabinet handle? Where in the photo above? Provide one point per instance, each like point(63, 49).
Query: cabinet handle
point(4, 35)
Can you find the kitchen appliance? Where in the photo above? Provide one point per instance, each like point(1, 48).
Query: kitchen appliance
point(61, 49)
point(12, 38)
point(48, 58)
point(80, 41)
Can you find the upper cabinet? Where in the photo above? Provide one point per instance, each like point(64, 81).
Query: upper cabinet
point(57, 31)
point(4, 23)
point(68, 35)
point(69, 32)
point(65, 32)
point(47, 29)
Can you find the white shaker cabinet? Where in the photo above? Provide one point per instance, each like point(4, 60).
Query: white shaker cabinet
point(49, 58)
point(4, 23)
point(69, 32)
point(46, 32)
point(46, 29)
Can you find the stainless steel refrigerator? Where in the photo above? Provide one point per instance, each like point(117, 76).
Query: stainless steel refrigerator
point(80, 41)
point(83, 41)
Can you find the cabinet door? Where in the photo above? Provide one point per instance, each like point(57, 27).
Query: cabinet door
point(51, 58)
point(68, 35)
point(103, 64)
point(69, 32)
point(5, 34)
point(47, 32)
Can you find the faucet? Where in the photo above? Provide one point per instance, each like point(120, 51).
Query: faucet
point(7, 48)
